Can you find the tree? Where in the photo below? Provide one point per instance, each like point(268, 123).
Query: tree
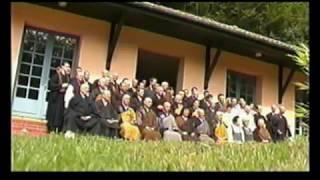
point(302, 60)
point(288, 22)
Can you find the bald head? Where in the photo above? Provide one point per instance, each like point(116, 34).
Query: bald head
point(165, 84)
point(84, 89)
point(274, 108)
point(126, 99)
point(282, 109)
point(201, 113)
point(147, 102)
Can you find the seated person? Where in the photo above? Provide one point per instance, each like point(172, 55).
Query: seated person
point(220, 132)
point(82, 116)
point(237, 131)
point(261, 133)
point(129, 129)
point(184, 123)
point(147, 121)
point(108, 114)
point(170, 128)
point(202, 126)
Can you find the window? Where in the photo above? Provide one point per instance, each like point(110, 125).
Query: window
point(241, 86)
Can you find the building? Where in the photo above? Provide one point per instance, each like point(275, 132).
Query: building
point(141, 40)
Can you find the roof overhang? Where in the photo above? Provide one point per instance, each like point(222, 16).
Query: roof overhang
point(143, 17)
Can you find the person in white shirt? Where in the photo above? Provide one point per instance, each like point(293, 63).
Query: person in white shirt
point(246, 115)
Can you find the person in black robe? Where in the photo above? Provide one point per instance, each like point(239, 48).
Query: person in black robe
point(280, 126)
point(76, 82)
point(150, 90)
point(116, 97)
point(220, 105)
point(86, 77)
point(269, 117)
point(98, 90)
point(82, 115)
point(133, 89)
point(157, 105)
point(109, 116)
point(194, 96)
point(258, 115)
point(137, 99)
point(57, 87)
point(105, 73)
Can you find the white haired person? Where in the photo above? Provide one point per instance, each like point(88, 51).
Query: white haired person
point(202, 126)
point(169, 125)
point(261, 133)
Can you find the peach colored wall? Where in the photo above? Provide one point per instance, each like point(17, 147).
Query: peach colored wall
point(131, 39)
point(267, 81)
point(93, 51)
point(93, 34)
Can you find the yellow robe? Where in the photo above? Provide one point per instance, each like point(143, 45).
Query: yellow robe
point(128, 130)
point(221, 133)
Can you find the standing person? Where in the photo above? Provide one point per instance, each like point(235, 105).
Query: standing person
point(246, 115)
point(280, 126)
point(235, 108)
point(104, 74)
point(193, 97)
point(177, 105)
point(270, 116)
point(82, 115)
point(150, 90)
point(147, 120)
point(137, 99)
point(248, 132)
point(220, 105)
point(57, 87)
point(195, 105)
point(117, 95)
point(108, 114)
point(258, 114)
point(129, 129)
point(133, 88)
point(241, 106)
point(86, 78)
point(158, 100)
point(208, 106)
point(165, 85)
point(169, 125)
point(98, 89)
point(76, 82)
point(169, 94)
point(227, 119)
point(261, 133)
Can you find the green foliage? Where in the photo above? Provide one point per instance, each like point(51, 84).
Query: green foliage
point(88, 153)
point(302, 60)
point(287, 21)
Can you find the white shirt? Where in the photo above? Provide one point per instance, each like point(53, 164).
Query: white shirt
point(68, 95)
point(248, 117)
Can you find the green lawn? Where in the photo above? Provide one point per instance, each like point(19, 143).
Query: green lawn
point(87, 153)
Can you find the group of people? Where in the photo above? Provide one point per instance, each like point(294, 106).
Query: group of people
point(134, 110)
